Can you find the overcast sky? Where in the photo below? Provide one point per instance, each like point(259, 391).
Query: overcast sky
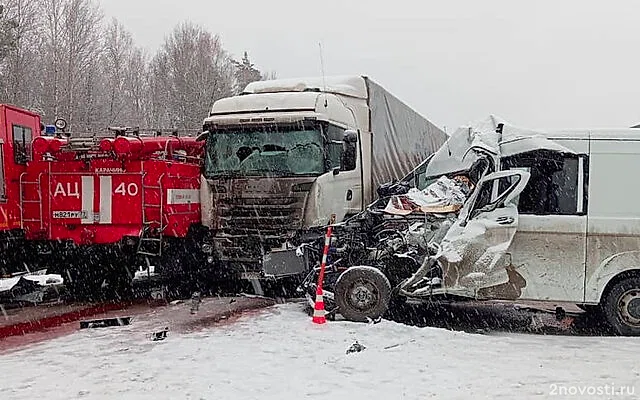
point(538, 64)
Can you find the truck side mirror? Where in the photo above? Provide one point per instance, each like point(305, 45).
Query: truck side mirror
point(350, 136)
point(349, 150)
point(349, 156)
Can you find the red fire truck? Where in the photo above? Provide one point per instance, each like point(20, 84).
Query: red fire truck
point(93, 209)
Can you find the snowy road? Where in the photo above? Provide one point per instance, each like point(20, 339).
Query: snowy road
point(278, 354)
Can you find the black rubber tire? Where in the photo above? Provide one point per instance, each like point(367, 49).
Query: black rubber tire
point(611, 310)
point(373, 279)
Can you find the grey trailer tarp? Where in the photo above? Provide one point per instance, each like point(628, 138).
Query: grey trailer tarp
point(402, 138)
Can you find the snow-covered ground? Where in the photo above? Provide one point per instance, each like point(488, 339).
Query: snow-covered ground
point(279, 354)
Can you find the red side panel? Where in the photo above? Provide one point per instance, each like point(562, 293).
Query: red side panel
point(104, 200)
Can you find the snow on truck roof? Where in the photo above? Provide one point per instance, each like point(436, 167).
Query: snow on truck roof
point(353, 86)
point(272, 101)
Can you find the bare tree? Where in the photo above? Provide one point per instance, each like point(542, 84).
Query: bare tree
point(190, 71)
point(82, 35)
point(136, 88)
point(124, 68)
point(269, 75)
point(21, 19)
point(245, 73)
point(59, 59)
point(48, 93)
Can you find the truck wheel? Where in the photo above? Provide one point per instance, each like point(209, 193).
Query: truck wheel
point(621, 307)
point(361, 293)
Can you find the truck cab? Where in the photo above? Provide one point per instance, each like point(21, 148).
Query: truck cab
point(18, 128)
point(288, 156)
point(276, 165)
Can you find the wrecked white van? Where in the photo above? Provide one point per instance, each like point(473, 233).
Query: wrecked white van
point(543, 217)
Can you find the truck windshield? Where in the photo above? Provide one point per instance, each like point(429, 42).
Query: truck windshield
point(280, 151)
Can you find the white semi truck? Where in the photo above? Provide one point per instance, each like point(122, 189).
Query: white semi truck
point(287, 156)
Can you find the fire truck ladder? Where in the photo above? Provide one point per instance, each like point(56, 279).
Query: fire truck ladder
point(25, 202)
point(150, 241)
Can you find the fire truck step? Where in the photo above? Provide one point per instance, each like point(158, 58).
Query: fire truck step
point(148, 253)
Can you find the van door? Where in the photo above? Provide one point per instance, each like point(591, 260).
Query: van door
point(475, 260)
point(548, 250)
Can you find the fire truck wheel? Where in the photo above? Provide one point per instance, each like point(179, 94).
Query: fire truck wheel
point(362, 293)
point(621, 306)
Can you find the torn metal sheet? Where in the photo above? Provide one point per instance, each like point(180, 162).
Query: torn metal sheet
point(492, 136)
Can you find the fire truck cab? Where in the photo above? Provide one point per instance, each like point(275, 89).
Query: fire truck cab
point(17, 130)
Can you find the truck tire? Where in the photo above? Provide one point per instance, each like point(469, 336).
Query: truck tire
point(621, 306)
point(362, 293)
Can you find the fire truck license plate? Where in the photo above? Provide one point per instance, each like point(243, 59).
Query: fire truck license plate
point(70, 214)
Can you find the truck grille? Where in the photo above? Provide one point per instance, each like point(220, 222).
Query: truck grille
point(249, 226)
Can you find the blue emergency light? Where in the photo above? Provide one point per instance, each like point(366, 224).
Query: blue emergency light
point(50, 130)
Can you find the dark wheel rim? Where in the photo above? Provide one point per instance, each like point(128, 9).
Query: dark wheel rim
point(363, 295)
point(629, 307)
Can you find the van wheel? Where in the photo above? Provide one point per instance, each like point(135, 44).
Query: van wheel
point(361, 293)
point(621, 307)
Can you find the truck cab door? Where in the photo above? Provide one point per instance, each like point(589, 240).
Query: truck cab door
point(475, 261)
point(340, 190)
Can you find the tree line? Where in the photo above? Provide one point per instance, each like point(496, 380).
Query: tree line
point(62, 58)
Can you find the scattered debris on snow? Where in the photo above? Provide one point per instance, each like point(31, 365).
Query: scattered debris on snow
point(31, 287)
point(145, 273)
point(105, 323)
point(160, 335)
point(355, 348)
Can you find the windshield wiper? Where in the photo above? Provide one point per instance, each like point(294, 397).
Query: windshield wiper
point(268, 171)
point(224, 174)
point(303, 145)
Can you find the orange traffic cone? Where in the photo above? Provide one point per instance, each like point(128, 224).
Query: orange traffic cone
point(318, 309)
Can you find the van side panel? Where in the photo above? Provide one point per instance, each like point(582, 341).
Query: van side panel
point(613, 243)
point(549, 250)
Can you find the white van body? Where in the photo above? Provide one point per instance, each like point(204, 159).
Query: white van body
point(575, 234)
point(573, 257)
